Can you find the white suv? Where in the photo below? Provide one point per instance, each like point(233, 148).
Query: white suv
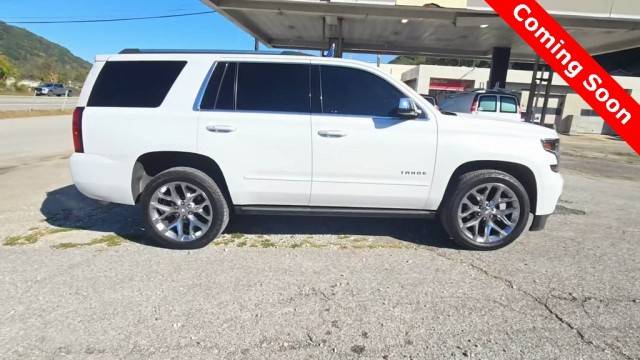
point(193, 136)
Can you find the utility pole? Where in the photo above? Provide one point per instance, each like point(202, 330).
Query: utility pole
point(256, 45)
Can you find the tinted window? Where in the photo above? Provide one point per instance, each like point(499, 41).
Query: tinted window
point(316, 104)
point(356, 92)
point(211, 92)
point(226, 95)
point(134, 83)
point(508, 105)
point(488, 103)
point(273, 87)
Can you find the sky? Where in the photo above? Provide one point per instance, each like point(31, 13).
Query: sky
point(208, 31)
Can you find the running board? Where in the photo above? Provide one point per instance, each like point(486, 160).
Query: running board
point(333, 211)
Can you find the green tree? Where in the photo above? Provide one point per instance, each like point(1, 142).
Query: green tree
point(7, 69)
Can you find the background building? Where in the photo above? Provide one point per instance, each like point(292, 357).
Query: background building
point(566, 109)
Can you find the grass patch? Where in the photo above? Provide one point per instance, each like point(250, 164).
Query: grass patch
point(33, 236)
point(348, 242)
point(309, 243)
point(13, 114)
point(266, 243)
point(223, 241)
point(110, 240)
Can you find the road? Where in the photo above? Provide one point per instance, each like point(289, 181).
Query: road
point(10, 102)
point(80, 280)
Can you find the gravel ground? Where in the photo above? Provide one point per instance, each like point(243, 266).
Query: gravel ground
point(80, 280)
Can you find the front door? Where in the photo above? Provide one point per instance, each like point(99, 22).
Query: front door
point(257, 130)
point(364, 156)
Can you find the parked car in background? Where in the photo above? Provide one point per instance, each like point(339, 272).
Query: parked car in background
point(52, 89)
point(193, 136)
point(487, 104)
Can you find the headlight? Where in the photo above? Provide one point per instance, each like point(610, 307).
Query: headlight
point(552, 146)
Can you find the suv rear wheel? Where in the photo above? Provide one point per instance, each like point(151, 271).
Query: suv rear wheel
point(184, 209)
point(488, 210)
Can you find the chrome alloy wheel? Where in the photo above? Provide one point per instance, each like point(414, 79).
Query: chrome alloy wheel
point(180, 211)
point(488, 213)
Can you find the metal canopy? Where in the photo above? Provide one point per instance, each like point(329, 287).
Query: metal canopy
point(382, 26)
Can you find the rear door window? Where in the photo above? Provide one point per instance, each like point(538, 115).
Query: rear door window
point(226, 97)
point(143, 84)
point(277, 87)
point(488, 103)
point(508, 105)
point(213, 86)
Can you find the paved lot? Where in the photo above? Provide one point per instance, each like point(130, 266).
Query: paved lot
point(79, 279)
point(10, 102)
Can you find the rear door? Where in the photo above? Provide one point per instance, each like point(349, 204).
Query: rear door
point(254, 121)
point(364, 156)
point(509, 108)
point(498, 107)
point(487, 106)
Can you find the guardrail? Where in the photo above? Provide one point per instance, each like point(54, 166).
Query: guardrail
point(30, 103)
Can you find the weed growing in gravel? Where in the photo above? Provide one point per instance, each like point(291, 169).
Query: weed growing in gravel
point(344, 242)
point(223, 241)
point(32, 236)
point(266, 243)
point(107, 240)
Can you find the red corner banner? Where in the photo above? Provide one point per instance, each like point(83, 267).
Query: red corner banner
point(567, 58)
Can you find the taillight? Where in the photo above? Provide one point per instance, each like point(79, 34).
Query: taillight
point(78, 146)
point(474, 106)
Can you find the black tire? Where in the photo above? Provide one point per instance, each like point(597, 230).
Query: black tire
point(466, 183)
point(220, 217)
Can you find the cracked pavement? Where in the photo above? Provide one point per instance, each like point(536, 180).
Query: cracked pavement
point(317, 288)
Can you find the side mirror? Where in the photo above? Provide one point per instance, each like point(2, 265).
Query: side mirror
point(407, 109)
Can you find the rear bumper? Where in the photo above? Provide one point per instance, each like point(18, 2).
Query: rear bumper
point(102, 178)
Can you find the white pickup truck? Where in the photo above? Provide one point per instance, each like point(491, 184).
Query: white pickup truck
point(194, 136)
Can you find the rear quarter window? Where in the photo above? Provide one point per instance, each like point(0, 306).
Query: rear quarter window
point(142, 84)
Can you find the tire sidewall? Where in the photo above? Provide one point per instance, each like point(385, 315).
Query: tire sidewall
point(450, 220)
point(204, 183)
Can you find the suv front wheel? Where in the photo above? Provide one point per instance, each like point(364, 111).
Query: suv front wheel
point(184, 209)
point(487, 210)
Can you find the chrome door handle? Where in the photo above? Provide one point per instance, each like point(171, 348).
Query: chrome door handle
point(331, 133)
point(221, 128)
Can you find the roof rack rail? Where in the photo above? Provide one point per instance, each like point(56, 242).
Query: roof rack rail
point(195, 51)
point(492, 91)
